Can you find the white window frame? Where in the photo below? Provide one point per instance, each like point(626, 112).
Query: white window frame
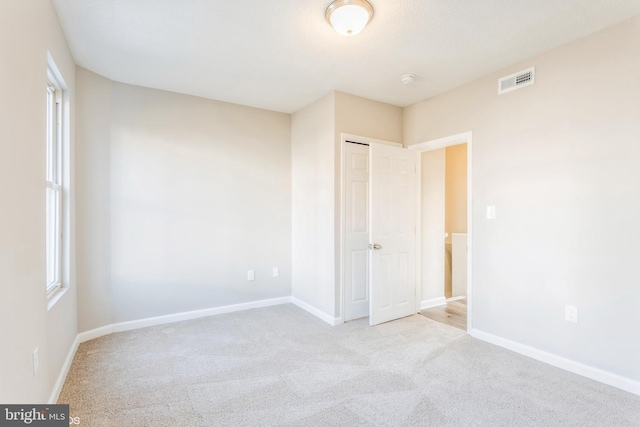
point(54, 182)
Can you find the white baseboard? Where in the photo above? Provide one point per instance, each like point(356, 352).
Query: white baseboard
point(196, 314)
point(596, 374)
point(151, 321)
point(62, 376)
point(177, 317)
point(333, 321)
point(95, 333)
point(433, 302)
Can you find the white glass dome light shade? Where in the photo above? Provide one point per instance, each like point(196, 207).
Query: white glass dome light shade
point(349, 20)
point(349, 17)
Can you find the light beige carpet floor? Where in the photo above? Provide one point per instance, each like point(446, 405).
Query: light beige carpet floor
point(282, 366)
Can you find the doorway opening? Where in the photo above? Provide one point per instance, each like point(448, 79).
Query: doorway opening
point(444, 238)
point(358, 249)
point(444, 251)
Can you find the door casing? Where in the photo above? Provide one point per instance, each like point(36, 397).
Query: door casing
point(466, 137)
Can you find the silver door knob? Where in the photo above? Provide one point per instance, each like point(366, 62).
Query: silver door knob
point(375, 246)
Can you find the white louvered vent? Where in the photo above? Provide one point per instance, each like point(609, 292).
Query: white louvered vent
point(516, 80)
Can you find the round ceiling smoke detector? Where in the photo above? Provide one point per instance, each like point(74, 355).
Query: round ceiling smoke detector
point(407, 79)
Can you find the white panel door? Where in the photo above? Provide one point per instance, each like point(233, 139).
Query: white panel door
point(356, 227)
point(393, 238)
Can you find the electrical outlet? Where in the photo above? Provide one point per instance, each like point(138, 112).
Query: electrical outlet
point(491, 212)
point(251, 275)
point(571, 313)
point(35, 362)
point(276, 272)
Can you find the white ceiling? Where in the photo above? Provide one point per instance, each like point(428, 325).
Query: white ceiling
point(281, 54)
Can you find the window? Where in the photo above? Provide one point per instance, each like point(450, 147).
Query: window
point(54, 191)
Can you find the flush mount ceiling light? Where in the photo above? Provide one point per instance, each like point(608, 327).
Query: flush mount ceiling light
point(349, 17)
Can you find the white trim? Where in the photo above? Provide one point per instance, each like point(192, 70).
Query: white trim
point(152, 321)
point(196, 314)
point(178, 317)
point(366, 140)
point(469, 229)
point(587, 371)
point(461, 138)
point(456, 298)
point(343, 219)
point(418, 233)
point(447, 141)
point(433, 302)
point(63, 184)
point(55, 294)
point(333, 321)
point(95, 333)
point(62, 376)
point(54, 71)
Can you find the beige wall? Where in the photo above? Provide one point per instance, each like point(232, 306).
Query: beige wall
point(313, 222)
point(198, 194)
point(28, 29)
point(456, 189)
point(433, 214)
point(179, 196)
point(363, 117)
point(559, 160)
point(317, 166)
point(93, 167)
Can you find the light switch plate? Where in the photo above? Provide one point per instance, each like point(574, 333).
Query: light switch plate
point(251, 275)
point(276, 272)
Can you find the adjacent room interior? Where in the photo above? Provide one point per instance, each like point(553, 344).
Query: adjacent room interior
point(444, 233)
point(258, 212)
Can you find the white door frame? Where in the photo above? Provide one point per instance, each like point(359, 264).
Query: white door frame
point(344, 137)
point(436, 144)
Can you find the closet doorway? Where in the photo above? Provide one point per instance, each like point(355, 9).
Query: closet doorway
point(378, 274)
point(358, 247)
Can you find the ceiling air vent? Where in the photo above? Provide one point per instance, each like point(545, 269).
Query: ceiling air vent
point(516, 80)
